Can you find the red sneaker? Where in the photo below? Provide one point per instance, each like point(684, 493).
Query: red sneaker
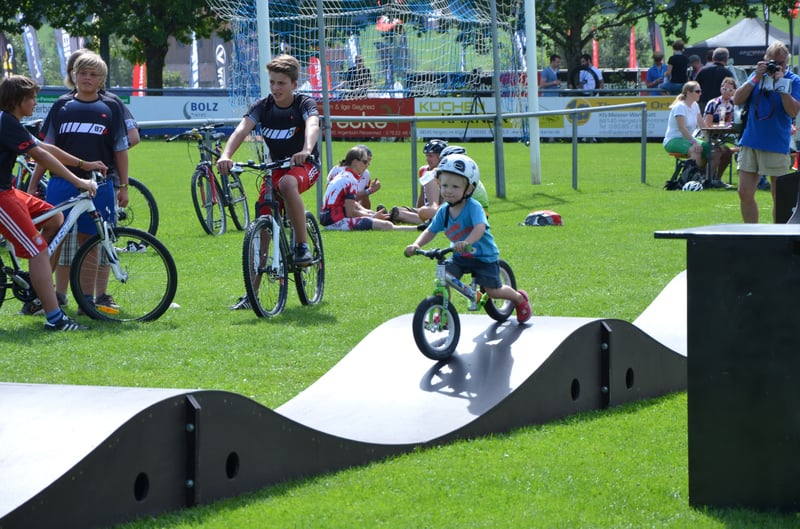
point(524, 311)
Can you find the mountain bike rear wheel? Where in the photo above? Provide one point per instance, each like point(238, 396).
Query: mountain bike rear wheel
point(142, 211)
point(310, 280)
point(266, 276)
point(238, 209)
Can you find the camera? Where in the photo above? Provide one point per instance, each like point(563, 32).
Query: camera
point(772, 67)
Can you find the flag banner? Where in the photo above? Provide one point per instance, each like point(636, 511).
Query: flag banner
point(194, 64)
point(33, 54)
point(633, 62)
point(220, 61)
point(139, 79)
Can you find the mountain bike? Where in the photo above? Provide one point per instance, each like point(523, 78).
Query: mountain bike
point(211, 195)
point(269, 249)
point(436, 324)
point(143, 278)
point(141, 211)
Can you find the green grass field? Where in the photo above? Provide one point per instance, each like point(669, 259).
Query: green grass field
point(625, 467)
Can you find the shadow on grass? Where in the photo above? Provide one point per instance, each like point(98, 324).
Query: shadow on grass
point(296, 315)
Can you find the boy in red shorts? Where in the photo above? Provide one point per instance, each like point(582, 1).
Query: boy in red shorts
point(17, 208)
point(290, 128)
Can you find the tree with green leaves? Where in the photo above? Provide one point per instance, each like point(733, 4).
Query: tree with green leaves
point(142, 26)
point(571, 24)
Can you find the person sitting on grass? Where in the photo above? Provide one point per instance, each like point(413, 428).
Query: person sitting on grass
point(366, 185)
point(17, 208)
point(463, 221)
point(341, 210)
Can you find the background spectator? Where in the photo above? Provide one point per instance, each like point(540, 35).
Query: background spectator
point(677, 65)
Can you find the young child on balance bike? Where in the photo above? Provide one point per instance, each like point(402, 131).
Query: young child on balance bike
point(463, 221)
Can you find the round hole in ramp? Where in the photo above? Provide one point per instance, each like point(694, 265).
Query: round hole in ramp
point(629, 378)
point(575, 390)
point(232, 465)
point(141, 486)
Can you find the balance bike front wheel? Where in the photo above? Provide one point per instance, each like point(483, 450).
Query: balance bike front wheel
point(436, 328)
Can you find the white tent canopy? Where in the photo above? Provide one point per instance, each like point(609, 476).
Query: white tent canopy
point(747, 33)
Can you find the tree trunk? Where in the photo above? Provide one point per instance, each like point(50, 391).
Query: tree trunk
point(155, 57)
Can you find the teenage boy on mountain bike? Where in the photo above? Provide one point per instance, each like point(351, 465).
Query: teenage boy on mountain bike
point(17, 208)
point(463, 221)
point(290, 128)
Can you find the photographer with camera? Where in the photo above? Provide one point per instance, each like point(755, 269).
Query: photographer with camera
point(772, 98)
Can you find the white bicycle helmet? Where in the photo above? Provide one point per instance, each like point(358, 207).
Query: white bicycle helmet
point(462, 165)
point(452, 149)
point(692, 185)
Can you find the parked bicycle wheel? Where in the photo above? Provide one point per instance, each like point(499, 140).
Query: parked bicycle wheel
point(266, 275)
point(142, 211)
point(144, 295)
point(501, 309)
point(436, 329)
point(239, 211)
point(310, 280)
point(207, 199)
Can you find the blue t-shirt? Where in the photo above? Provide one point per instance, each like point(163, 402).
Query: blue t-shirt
point(769, 127)
point(548, 76)
point(458, 228)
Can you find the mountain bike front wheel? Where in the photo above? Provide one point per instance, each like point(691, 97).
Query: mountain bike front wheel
point(436, 328)
point(144, 294)
point(207, 200)
point(266, 275)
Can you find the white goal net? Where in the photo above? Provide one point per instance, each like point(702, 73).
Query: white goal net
point(412, 48)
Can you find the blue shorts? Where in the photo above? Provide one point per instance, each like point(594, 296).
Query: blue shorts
point(59, 190)
point(486, 274)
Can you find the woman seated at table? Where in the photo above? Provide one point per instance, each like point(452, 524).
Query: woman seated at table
point(721, 154)
point(684, 120)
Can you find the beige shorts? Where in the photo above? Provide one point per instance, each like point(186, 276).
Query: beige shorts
point(763, 162)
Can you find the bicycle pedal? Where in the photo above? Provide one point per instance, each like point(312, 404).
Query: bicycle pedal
point(108, 310)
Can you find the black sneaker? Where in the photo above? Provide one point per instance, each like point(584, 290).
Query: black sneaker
point(242, 304)
point(302, 256)
point(31, 308)
point(65, 324)
point(424, 225)
point(62, 299)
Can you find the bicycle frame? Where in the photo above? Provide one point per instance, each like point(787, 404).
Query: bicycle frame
point(278, 221)
point(445, 281)
point(80, 204)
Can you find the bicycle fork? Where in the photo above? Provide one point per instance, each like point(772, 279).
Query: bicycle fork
point(107, 240)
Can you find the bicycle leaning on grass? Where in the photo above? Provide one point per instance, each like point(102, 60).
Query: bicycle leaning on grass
point(212, 195)
point(267, 256)
point(144, 278)
point(436, 325)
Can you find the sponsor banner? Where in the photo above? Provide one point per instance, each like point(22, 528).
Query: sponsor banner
point(623, 123)
point(459, 106)
point(370, 108)
point(609, 124)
